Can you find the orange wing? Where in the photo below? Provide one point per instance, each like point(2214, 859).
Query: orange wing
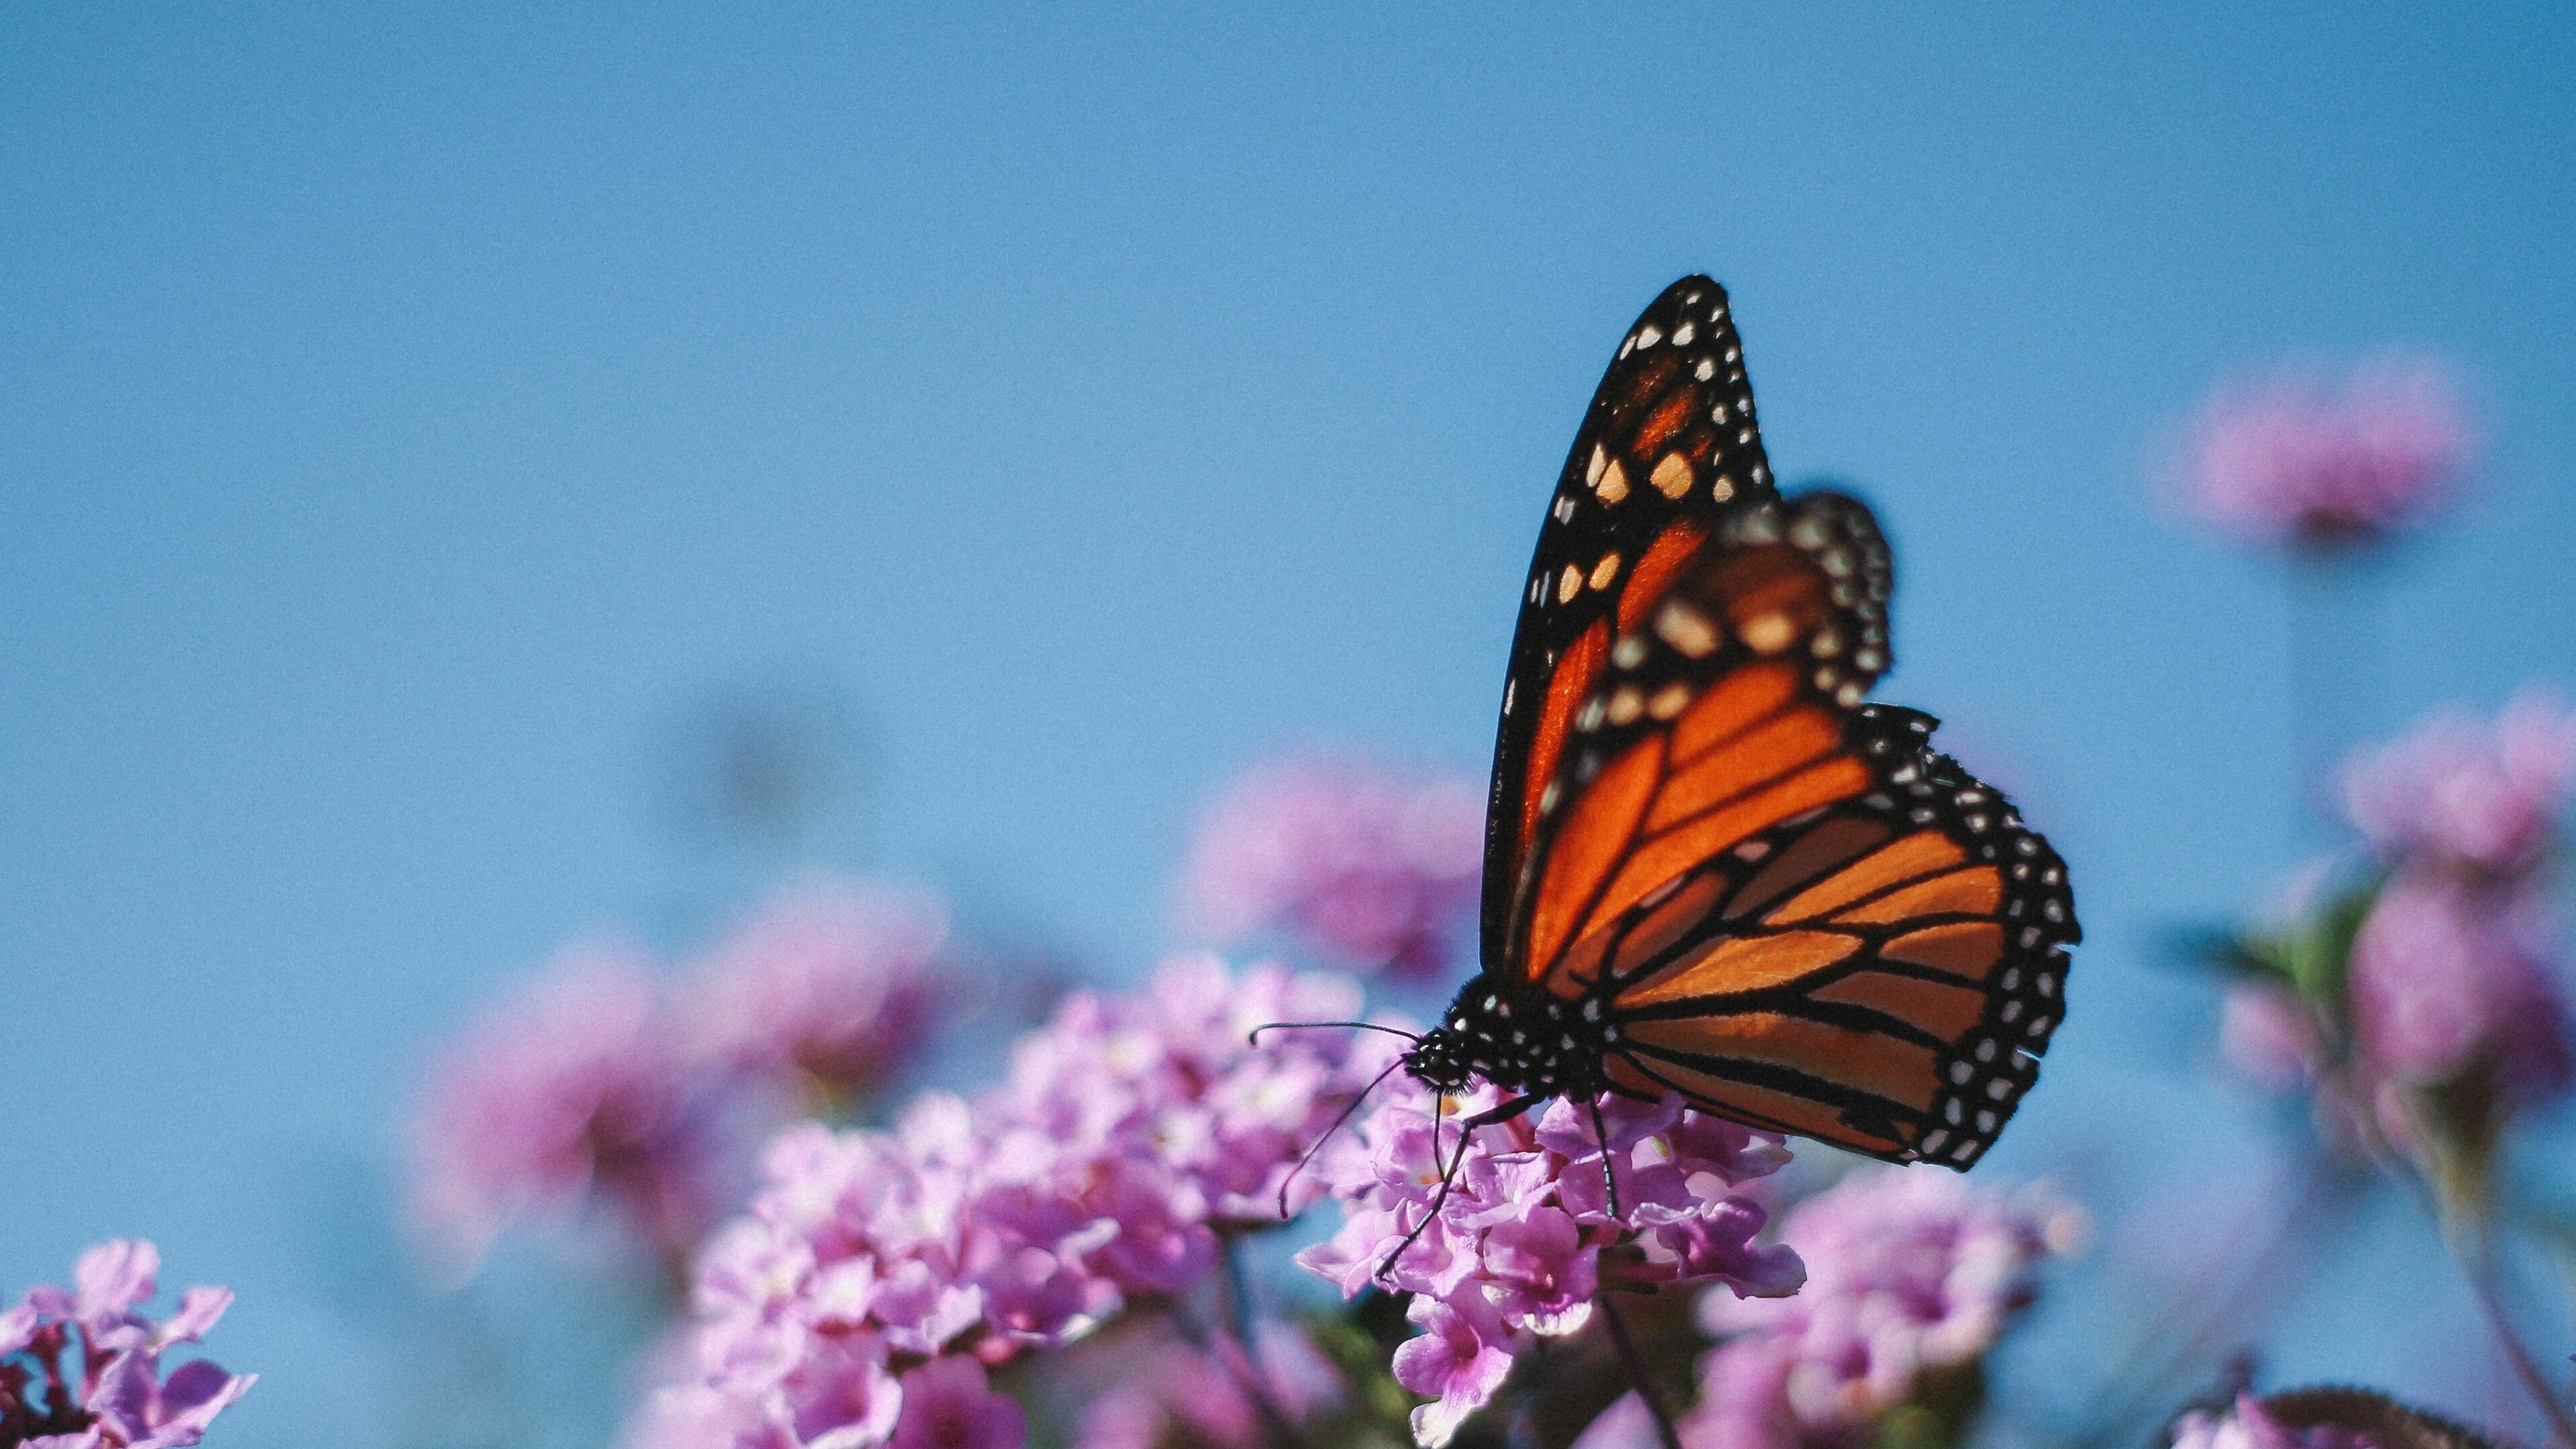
point(1667, 449)
point(1794, 912)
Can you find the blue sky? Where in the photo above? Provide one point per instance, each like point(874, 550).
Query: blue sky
point(406, 418)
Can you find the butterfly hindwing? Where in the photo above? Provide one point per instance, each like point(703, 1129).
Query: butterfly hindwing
point(1668, 448)
point(1792, 910)
point(1882, 974)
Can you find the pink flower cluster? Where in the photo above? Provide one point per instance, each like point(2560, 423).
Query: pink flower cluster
point(1217, 1395)
point(602, 1084)
point(879, 1273)
point(2249, 1426)
point(2446, 978)
point(2467, 795)
point(1372, 868)
point(2443, 981)
point(1526, 1236)
point(2451, 971)
point(2314, 461)
point(113, 1393)
point(1912, 1271)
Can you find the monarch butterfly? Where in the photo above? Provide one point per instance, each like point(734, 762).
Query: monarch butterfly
point(1712, 868)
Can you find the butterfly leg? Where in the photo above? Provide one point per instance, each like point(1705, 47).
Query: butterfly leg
point(1503, 1112)
point(1601, 1134)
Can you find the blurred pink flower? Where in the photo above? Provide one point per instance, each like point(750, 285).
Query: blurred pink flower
point(597, 1085)
point(2308, 460)
point(1205, 1396)
point(2248, 1426)
point(2274, 1038)
point(948, 1405)
point(1626, 1424)
point(2270, 1037)
point(1373, 868)
point(1129, 1130)
point(1745, 1400)
point(829, 985)
point(2446, 977)
point(577, 1092)
point(1526, 1236)
point(113, 1395)
point(2267, 1032)
point(2468, 794)
point(1910, 1271)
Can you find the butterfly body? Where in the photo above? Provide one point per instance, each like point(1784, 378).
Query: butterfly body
point(1712, 867)
point(1533, 1043)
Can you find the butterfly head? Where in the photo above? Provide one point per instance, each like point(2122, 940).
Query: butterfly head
point(1440, 1061)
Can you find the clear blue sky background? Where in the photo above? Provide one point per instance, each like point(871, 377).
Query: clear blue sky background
point(406, 416)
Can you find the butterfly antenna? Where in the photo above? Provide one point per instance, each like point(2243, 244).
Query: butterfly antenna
point(1338, 1119)
point(1255, 1038)
point(1609, 1176)
point(1439, 1199)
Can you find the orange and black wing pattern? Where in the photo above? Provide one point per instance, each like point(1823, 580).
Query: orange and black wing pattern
point(1789, 908)
point(1667, 449)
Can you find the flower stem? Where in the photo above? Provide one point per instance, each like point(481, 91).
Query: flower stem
point(1237, 1291)
point(2463, 1207)
point(2335, 668)
point(1241, 1366)
point(2477, 1264)
point(1638, 1373)
point(2211, 1301)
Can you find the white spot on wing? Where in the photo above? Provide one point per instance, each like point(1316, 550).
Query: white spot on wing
point(1613, 483)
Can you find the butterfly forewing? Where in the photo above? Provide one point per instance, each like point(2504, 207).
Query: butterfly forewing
point(1668, 448)
point(1717, 712)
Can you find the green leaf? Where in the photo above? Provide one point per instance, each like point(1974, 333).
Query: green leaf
point(2320, 953)
point(2227, 953)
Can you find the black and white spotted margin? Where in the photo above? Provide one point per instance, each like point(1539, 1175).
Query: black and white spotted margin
point(1839, 535)
point(1987, 1072)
